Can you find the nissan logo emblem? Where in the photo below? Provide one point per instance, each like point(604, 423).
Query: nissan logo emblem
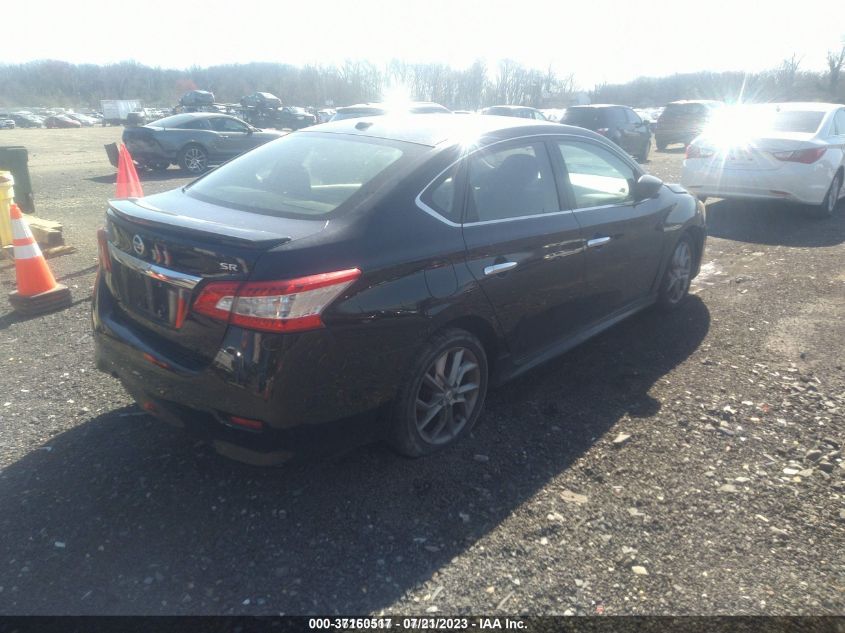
point(138, 245)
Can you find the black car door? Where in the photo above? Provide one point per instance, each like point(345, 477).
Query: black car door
point(523, 248)
point(233, 137)
point(624, 238)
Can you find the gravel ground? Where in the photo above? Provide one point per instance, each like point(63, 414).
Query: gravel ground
point(682, 464)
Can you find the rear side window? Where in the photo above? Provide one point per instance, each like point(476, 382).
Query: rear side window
point(596, 175)
point(509, 182)
point(304, 175)
point(839, 123)
point(440, 196)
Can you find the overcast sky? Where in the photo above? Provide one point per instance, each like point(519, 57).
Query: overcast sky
point(598, 40)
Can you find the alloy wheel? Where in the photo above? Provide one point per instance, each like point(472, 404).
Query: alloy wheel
point(447, 395)
point(195, 159)
point(833, 196)
point(680, 270)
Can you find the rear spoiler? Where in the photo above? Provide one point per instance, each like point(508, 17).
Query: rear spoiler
point(138, 211)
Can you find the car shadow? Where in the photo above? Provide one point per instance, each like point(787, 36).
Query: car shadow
point(773, 223)
point(123, 515)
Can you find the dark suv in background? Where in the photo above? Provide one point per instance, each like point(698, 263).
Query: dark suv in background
point(682, 121)
point(620, 124)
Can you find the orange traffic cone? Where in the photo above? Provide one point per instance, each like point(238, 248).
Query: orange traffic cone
point(37, 288)
point(128, 185)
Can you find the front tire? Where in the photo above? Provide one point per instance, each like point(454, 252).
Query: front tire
point(442, 396)
point(674, 287)
point(193, 159)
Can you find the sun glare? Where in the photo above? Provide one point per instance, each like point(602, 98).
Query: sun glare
point(397, 95)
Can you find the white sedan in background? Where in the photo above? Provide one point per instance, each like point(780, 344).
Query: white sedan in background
point(784, 151)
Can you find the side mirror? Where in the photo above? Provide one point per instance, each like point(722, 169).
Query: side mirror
point(646, 187)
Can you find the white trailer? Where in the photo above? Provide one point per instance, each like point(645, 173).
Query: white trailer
point(116, 110)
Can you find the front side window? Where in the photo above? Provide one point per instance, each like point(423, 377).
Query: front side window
point(596, 175)
point(224, 124)
point(304, 175)
point(196, 124)
point(509, 182)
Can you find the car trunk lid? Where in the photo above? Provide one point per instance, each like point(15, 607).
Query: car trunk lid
point(162, 249)
point(757, 152)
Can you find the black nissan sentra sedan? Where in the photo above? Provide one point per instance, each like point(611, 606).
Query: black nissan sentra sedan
point(372, 278)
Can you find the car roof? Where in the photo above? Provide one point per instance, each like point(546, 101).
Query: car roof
point(389, 106)
point(597, 105)
point(202, 115)
point(812, 106)
point(700, 101)
point(435, 129)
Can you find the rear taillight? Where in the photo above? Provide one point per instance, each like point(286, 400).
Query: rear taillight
point(696, 151)
point(805, 156)
point(103, 249)
point(274, 306)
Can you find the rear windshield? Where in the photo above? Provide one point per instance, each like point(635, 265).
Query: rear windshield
point(582, 117)
point(177, 121)
point(304, 175)
point(356, 113)
point(430, 109)
point(679, 110)
point(795, 121)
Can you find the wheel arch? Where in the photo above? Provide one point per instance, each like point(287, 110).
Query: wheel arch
point(482, 330)
point(698, 235)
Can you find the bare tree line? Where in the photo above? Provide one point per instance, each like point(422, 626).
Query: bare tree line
point(57, 83)
point(786, 82)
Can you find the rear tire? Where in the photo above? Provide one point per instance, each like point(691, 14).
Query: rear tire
point(828, 206)
point(643, 157)
point(674, 287)
point(442, 396)
point(661, 147)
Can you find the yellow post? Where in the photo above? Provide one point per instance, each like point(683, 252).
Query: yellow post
point(7, 194)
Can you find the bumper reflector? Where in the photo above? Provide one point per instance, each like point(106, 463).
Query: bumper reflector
point(252, 425)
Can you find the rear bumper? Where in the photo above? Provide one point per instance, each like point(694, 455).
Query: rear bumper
point(801, 185)
point(311, 392)
point(144, 151)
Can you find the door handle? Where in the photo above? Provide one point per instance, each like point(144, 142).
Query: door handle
point(597, 241)
point(497, 269)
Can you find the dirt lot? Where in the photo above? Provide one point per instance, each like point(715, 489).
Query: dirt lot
point(726, 498)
